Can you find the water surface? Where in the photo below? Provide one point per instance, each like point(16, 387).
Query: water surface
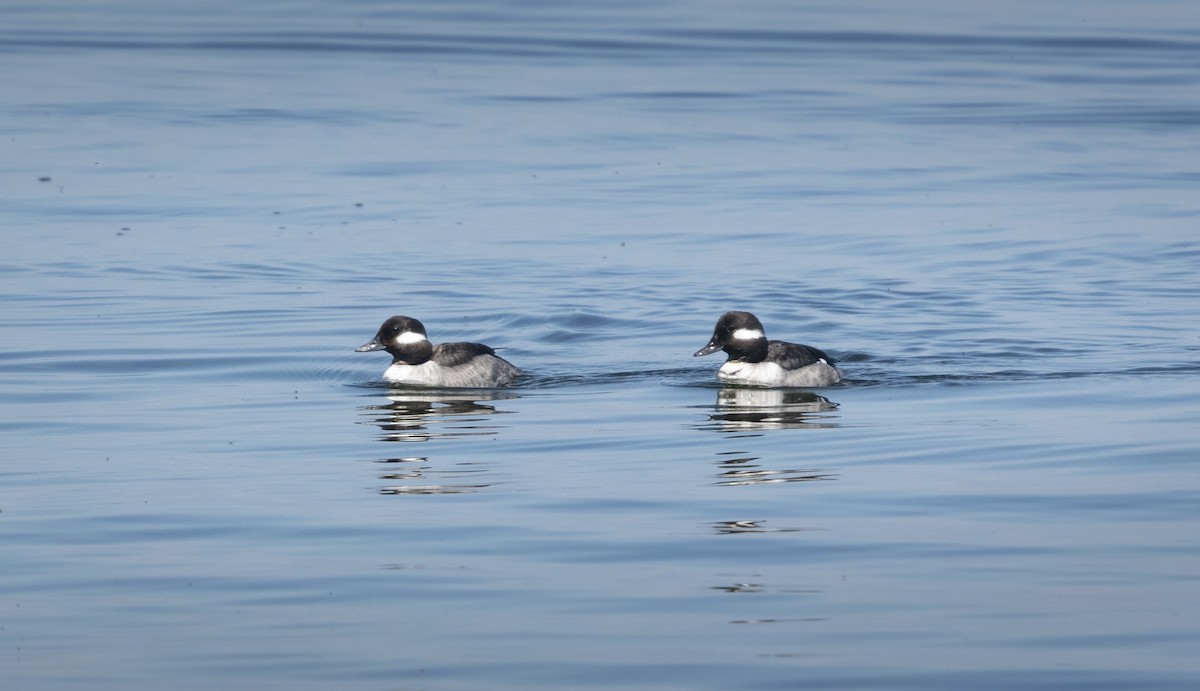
point(987, 214)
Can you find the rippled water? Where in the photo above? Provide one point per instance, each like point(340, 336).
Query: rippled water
point(987, 214)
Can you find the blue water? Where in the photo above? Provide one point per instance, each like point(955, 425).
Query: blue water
point(989, 214)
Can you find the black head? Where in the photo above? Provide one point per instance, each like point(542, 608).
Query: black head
point(404, 338)
point(741, 335)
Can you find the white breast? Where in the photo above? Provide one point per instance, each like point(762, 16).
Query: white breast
point(425, 373)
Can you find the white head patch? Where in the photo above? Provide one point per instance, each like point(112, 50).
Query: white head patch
point(410, 337)
point(747, 335)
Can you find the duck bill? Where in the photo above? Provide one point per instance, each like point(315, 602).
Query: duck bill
point(712, 347)
point(373, 344)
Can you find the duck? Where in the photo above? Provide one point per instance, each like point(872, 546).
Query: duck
point(417, 362)
point(755, 361)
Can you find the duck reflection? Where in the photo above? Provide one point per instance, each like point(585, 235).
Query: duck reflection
point(419, 416)
point(416, 473)
point(740, 469)
point(745, 412)
point(426, 416)
point(739, 409)
point(755, 526)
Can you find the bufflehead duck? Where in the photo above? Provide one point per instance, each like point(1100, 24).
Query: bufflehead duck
point(417, 361)
point(756, 361)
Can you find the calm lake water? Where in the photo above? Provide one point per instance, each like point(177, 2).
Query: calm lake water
point(990, 213)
